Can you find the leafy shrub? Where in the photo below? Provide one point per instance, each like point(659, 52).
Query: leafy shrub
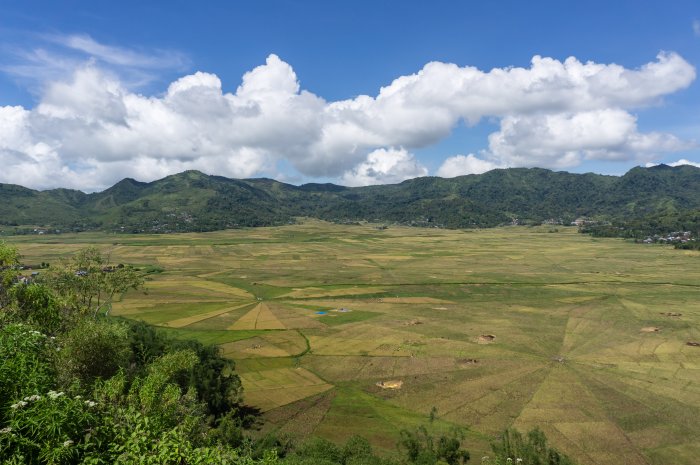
point(48, 428)
point(318, 451)
point(421, 448)
point(213, 376)
point(35, 304)
point(25, 367)
point(356, 451)
point(92, 349)
point(530, 450)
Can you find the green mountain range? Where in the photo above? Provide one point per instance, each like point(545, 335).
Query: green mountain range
point(193, 201)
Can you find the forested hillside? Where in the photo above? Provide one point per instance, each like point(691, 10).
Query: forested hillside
point(193, 201)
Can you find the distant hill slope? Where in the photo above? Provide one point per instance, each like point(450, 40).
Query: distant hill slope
point(193, 201)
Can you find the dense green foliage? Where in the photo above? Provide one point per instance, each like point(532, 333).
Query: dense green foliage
point(88, 282)
point(421, 448)
point(192, 201)
point(649, 226)
point(76, 387)
point(213, 377)
point(532, 449)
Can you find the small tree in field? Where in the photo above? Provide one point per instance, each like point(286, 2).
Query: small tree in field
point(88, 282)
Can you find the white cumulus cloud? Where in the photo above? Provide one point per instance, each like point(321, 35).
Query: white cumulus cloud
point(459, 165)
point(563, 140)
point(385, 166)
point(680, 162)
point(91, 129)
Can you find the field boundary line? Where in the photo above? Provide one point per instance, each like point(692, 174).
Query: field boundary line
point(196, 319)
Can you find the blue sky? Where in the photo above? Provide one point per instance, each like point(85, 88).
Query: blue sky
point(84, 88)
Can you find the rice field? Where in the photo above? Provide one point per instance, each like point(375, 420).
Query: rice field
point(586, 338)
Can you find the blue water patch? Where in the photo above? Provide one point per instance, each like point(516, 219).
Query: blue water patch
point(321, 313)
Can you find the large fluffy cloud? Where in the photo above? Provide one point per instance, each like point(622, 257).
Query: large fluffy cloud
point(562, 140)
point(92, 129)
point(565, 140)
point(465, 164)
point(385, 167)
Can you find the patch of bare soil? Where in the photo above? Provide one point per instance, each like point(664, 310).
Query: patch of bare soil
point(393, 384)
point(650, 329)
point(692, 344)
point(413, 342)
point(485, 339)
point(413, 323)
point(671, 314)
point(467, 361)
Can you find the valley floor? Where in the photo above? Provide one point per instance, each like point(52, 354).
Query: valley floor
point(338, 330)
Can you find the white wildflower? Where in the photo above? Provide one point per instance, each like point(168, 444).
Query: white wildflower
point(19, 404)
point(67, 443)
point(78, 397)
point(90, 403)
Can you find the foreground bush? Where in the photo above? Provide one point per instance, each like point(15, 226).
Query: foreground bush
point(146, 420)
point(51, 427)
point(79, 388)
point(532, 449)
point(91, 350)
point(25, 364)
